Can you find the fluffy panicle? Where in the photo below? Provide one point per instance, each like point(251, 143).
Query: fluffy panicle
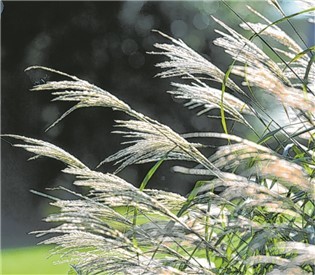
point(265, 163)
point(103, 255)
point(44, 149)
point(81, 91)
point(171, 200)
point(92, 223)
point(152, 143)
point(91, 245)
point(273, 32)
point(303, 254)
point(184, 62)
point(155, 141)
point(299, 125)
point(201, 95)
point(298, 71)
point(249, 194)
point(245, 51)
point(263, 78)
point(287, 173)
point(296, 68)
point(113, 191)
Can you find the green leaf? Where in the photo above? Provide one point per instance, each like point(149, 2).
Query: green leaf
point(151, 172)
point(191, 197)
point(226, 77)
point(269, 135)
point(301, 54)
point(143, 184)
point(307, 71)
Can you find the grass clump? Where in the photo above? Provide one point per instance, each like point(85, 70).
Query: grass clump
point(253, 213)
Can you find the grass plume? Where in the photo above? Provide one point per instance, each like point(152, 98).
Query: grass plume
point(252, 212)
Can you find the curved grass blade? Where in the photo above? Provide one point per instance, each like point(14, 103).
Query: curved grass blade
point(151, 172)
point(143, 184)
point(307, 71)
point(301, 54)
point(286, 18)
point(226, 77)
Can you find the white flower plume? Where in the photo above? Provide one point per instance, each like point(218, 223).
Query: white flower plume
point(184, 62)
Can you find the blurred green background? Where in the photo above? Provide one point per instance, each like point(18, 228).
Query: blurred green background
point(31, 260)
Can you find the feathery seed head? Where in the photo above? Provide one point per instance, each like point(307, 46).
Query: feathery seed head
point(153, 141)
point(81, 91)
point(263, 78)
point(245, 51)
point(185, 62)
point(201, 95)
point(42, 148)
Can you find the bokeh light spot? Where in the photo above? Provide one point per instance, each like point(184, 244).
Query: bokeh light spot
point(178, 28)
point(136, 60)
point(129, 46)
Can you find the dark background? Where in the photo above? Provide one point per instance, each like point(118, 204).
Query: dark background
point(104, 43)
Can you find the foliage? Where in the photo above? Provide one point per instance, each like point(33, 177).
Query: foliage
point(254, 211)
